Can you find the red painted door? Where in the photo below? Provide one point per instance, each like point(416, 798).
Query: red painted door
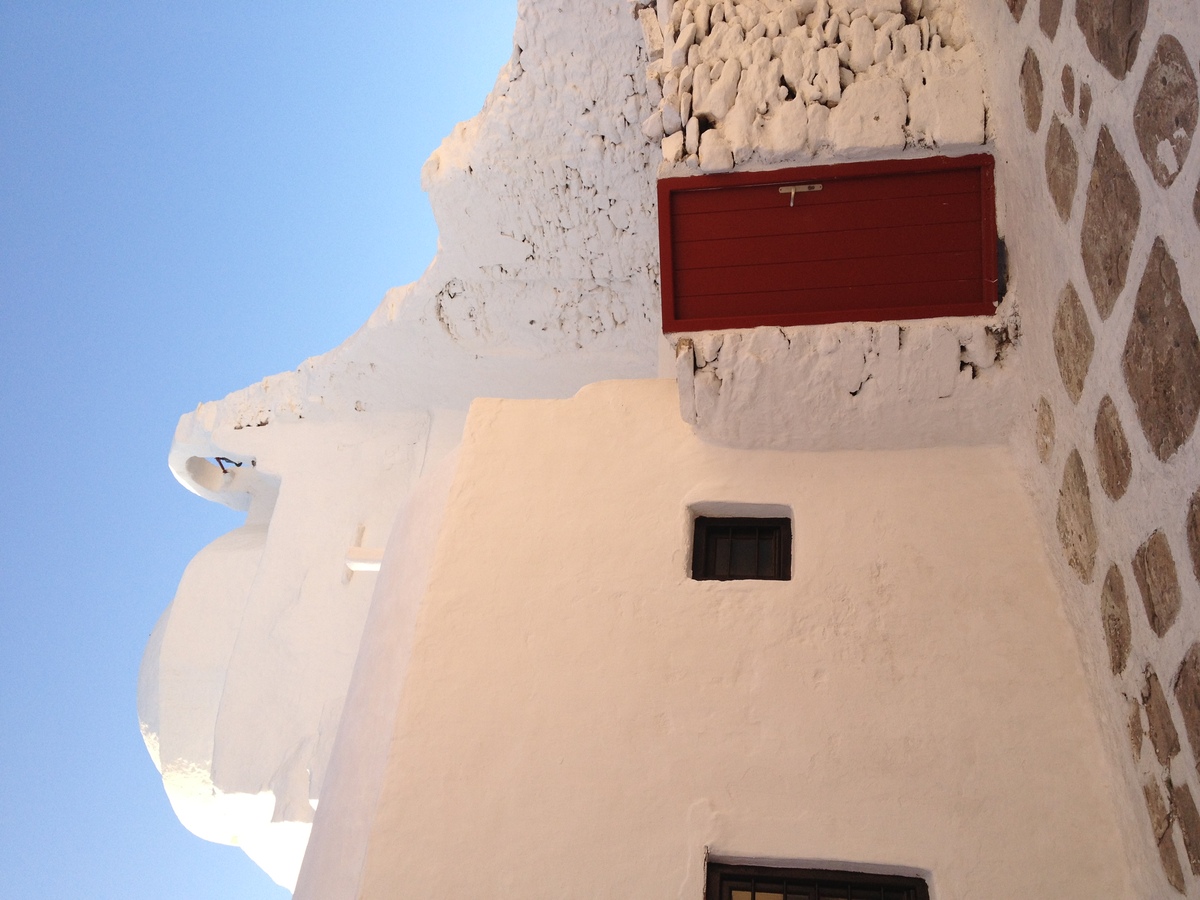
point(894, 239)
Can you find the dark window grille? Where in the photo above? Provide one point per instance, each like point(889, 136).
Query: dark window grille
point(725, 549)
point(728, 882)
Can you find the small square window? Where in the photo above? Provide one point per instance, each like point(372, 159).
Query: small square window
point(728, 549)
point(728, 882)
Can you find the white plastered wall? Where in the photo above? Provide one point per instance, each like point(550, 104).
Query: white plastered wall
point(582, 719)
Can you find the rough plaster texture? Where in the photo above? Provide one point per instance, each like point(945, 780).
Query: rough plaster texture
point(602, 719)
point(850, 386)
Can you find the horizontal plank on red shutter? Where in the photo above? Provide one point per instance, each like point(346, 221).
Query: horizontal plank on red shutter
point(852, 244)
point(832, 217)
point(829, 273)
point(832, 191)
point(812, 305)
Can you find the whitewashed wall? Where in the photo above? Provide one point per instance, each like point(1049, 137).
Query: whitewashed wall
point(580, 718)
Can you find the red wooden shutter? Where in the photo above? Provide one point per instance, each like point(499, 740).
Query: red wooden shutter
point(871, 241)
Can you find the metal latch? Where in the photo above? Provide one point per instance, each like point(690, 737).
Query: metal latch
point(794, 189)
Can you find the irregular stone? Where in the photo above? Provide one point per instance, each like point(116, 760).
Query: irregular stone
point(1110, 222)
point(871, 114)
point(1160, 816)
point(1136, 733)
point(1048, 15)
point(1196, 204)
point(1163, 736)
point(719, 98)
point(1113, 462)
point(1031, 89)
point(1164, 118)
point(1062, 167)
point(1073, 341)
point(1045, 430)
point(1114, 612)
point(1193, 533)
point(1183, 807)
point(1017, 8)
point(1160, 825)
point(715, 155)
point(651, 32)
point(1162, 357)
point(946, 106)
point(1154, 571)
point(691, 136)
point(1187, 695)
point(1085, 103)
point(862, 44)
point(1112, 29)
point(1076, 528)
point(1068, 88)
point(679, 52)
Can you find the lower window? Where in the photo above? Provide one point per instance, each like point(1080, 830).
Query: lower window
point(728, 882)
point(727, 549)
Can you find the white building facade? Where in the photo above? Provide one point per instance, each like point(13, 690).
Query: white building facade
point(982, 670)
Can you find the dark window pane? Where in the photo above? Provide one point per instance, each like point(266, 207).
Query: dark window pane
point(743, 562)
point(768, 564)
point(730, 548)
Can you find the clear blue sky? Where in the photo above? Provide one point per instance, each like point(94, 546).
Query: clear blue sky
point(192, 196)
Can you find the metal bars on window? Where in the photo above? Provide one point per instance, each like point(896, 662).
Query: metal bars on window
point(727, 549)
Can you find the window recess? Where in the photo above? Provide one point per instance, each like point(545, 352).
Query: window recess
point(729, 882)
point(730, 549)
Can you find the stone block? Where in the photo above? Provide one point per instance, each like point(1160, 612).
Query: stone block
point(1160, 825)
point(1187, 695)
point(1073, 342)
point(1162, 357)
point(1183, 807)
point(1045, 430)
point(1164, 118)
point(1113, 30)
point(1076, 528)
point(1110, 222)
point(1114, 613)
point(1062, 167)
point(1017, 8)
point(1193, 533)
point(1154, 571)
point(1048, 15)
point(1163, 736)
point(1030, 82)
point(1136, 732)
point(1114, 465)
point(1085, 104)
point(1068, 88)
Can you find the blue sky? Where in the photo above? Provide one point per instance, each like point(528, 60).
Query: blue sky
point(192, 196)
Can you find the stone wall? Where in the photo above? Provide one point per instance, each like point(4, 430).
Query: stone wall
point(1101, 118)
point(744, 82)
